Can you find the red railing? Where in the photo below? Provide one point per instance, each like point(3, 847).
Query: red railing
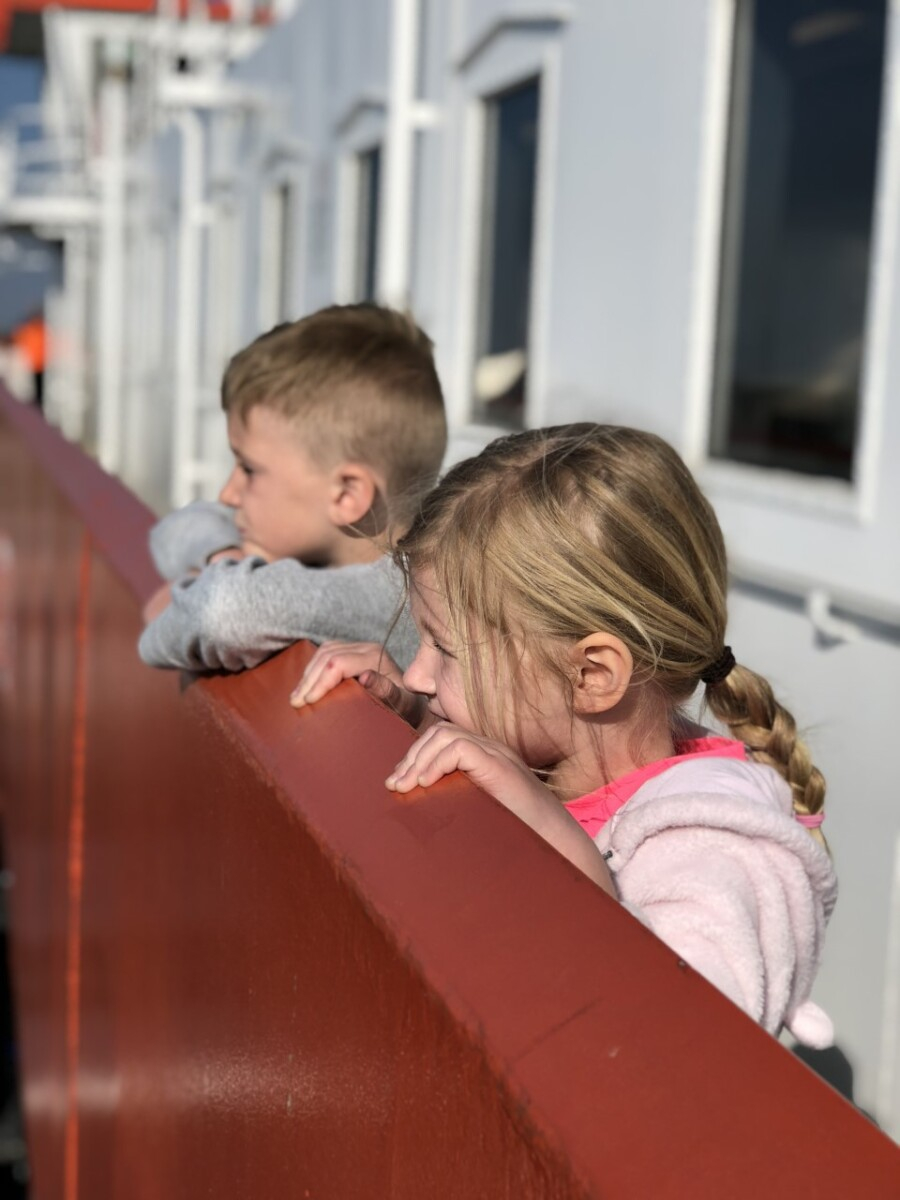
point(244, 969)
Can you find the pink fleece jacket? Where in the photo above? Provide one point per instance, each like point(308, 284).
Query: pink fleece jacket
point(707, 854)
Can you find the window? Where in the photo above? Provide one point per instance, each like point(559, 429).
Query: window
point(797, 231)
point(221, 290)
point(510, 174)
point(368, 190)
point(279, 256)
point(286, 217)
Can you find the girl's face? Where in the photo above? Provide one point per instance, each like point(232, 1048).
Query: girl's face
point(536, 715)
point(435, 672)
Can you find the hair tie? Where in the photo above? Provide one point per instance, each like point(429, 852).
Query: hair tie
point(810, 820)
point(720, 669)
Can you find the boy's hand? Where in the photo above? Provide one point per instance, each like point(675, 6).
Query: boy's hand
point(162, 597)
point(158, 603)
point(366, 662)
point(502, 774)
point(244, 550)
point(251, 550)
point(232, 552)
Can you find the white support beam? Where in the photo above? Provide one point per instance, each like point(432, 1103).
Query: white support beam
point(395, 217)
point(187, 333)
point(110, 325)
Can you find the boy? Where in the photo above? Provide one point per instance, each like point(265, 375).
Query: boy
point(337, 427)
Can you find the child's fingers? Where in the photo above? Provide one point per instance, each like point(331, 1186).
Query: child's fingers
point(318, 684)
point(405, 768)
point(322, 674)
point(458, 755)
point(158, 603)
point(441, 751)
point(235, 553)
point(310, 676)
point(325, 670)
point(500, 773)
point(253, 550)
point(408, 705)
point(387, 691)
point(438, 761)
point(332, 663)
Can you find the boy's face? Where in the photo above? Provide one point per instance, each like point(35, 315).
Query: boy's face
point(281, 497)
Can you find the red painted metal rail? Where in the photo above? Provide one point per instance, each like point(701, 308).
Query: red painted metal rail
point(244, 969)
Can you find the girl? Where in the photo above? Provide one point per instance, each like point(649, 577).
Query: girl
point(569, 589)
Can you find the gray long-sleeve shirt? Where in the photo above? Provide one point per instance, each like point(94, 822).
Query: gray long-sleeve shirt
point(234, 614)
point(185, 538)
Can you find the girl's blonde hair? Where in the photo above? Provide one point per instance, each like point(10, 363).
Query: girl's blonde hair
point(553, 534)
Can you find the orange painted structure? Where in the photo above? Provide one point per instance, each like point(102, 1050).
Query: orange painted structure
point(244, 969)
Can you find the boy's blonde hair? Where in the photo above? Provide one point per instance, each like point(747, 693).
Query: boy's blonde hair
point(553, 534)
point(360, 381)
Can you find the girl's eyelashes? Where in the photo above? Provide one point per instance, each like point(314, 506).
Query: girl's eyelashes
point(428, 633)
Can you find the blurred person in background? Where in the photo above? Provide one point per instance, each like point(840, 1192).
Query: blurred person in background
point(30, 339)
point(15, 370)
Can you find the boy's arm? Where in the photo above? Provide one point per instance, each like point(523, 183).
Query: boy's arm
point(234, 614)
point(184, 540)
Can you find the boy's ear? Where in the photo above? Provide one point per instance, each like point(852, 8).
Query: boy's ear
point(354, 494)
point(603, 670)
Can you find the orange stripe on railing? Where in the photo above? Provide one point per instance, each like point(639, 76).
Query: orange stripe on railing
point(76, 874)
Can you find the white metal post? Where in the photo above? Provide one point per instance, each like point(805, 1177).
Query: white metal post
point(66, 384)
point(395, 216)
point(77, 287)
point(111, 282)
point(187, 333)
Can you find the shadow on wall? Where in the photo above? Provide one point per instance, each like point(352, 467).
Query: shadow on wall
point(835, 1068)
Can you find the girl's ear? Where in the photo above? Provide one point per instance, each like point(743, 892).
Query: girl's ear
point(354, 490)
point(603, 670)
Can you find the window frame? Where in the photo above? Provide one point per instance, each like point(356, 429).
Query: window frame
point(827, 542)
point(487, 234)
point(284, 171)
point(506, 54)
point(221, 283)
point(852, 500)
point(358, 132)
point(363, 161)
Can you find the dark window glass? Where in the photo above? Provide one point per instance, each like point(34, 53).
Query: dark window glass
point(282, 283)
point(510, 174)
point(367, 223)
point(806, 99)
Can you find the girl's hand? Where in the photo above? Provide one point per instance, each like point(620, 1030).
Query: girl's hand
point(366, 662)
point(502, 774)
